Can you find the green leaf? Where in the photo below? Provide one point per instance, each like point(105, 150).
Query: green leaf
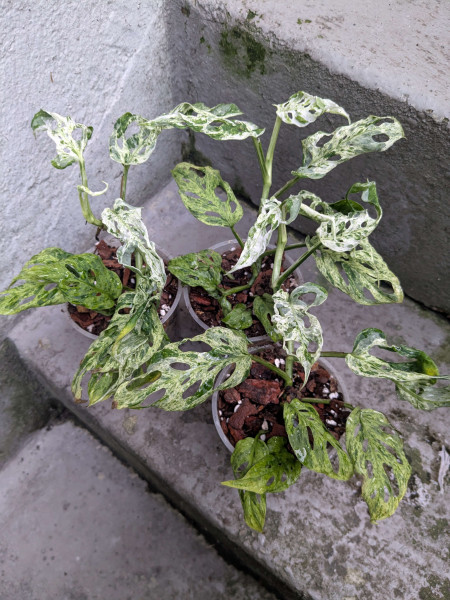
point(418, 368)
point(60, 130)
point(110, 360)
point(54, 277)
point(302, 109)
point(378, 456)
point(343, 231)
point(275, 472)
point(198, 269)
point(263, 309)
point(289, 316)
point(217, 122)
point(345, 143)
point(423, 396)
point(359, 273)
point(247, 453)
point(125, 222)
point(299, 419)
point(185, 388)
point(198, 193)
point(239, 318)
point(135, 149)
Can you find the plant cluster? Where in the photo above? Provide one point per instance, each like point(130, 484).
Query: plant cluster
point(133, 358)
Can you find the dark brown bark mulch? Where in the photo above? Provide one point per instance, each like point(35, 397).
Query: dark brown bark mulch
point(257, 403)
point(208, 309)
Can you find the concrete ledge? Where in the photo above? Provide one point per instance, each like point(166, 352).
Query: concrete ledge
point(319, 543)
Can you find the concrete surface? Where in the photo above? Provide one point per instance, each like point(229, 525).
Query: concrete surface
point(319, 542)
point(78, 525)
point(103, 59)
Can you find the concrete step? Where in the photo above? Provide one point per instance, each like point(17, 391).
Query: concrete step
point(318, 542)
point(78, 525)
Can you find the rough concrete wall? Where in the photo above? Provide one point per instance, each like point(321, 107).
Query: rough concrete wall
point(250, 56)
point(93, 61)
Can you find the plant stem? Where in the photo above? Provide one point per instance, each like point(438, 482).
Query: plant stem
point(290, 359)
point(323, 401)
point(298, 262)
point(138, 265)
point(236, 235)
point(273, 368)
point(267, 176)
point(84, 199)
point(286, 186)
point(281, 244)
point(334, 354)
point(260, 154)
point(290, 247)
point(123, 183)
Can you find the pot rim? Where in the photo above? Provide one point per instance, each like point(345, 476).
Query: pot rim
point(222, 375)
point(167, 318)
point(228, 244)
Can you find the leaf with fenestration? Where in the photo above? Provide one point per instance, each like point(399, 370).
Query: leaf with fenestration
point(198, 269)
point(137, 147)
point(125, 223)
point(240, 317)
point(299, 418)
point(289, 320)
point(302, 109)
point(198, 193)
point(361, 273)
point(263, 310)
point(422, 396)
point(187, 377)
point(376, 451)
point(54, 277)
point(275, 472)
point(218, 122)
point(323, 151)
point(111, 362)
point(60, 130)
point(248, 452)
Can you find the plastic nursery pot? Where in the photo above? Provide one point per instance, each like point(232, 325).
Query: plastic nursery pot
point(168, 319)
point(223, 247)
point(223, 375)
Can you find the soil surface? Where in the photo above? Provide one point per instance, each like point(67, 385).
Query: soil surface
point(95, 322)
point(257, 403)
point(208, 310)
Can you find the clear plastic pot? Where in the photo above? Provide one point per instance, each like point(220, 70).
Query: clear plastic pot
point(221, 248)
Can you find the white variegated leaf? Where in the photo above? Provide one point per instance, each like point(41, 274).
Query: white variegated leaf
point(60, 130)
point(346, 142)
point(302, 109)
point(217, 122)
point(185, 388)
point(378, 456)
point(422, 396)
point(289, 316)
point(86, 190)
point(358, 273)
point(125, 223)
point(136, 148)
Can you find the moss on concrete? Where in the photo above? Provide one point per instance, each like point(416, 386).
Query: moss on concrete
point(242, 52)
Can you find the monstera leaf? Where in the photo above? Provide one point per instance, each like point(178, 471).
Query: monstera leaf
point(136, 148)
point(378, 456)
point(60, 130)
point(247, 453)
point(217, 122)
point(198, 269)
point(270, 217)
point(423, 396)
point(125, 223)
point(322, 151)
point(54, 277)
point(275, 472)
point(359, 273)
point(299, 418)
point(240, 317)
point(302, 109)
point(289, 316)
point(198, 193)
point(113, 357)
point(186, 387)
point(344, 224)
point(263, 309)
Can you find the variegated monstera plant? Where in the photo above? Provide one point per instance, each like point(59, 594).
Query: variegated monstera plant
point(133, 358)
